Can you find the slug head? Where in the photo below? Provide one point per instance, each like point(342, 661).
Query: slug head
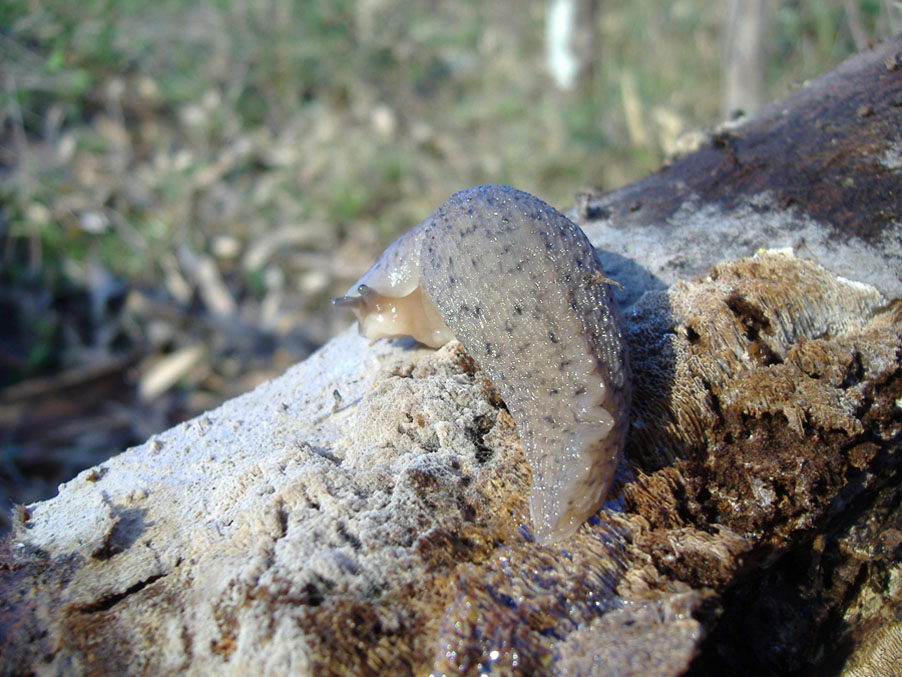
point(386, 316)
point(389, 301)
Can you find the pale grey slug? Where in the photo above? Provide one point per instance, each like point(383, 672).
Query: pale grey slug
point(522, 289)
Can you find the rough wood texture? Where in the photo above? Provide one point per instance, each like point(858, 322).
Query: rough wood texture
point(754, 528)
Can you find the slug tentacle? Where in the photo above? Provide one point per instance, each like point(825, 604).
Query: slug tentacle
point(521, 287)
point(350, 301)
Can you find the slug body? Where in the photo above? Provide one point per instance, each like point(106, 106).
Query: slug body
point(521, 287)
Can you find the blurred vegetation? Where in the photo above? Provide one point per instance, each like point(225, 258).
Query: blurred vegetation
point(289, 142)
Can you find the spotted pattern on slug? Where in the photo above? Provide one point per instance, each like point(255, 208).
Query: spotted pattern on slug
point(520, 286)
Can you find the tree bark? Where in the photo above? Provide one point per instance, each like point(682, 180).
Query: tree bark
point(817, 171)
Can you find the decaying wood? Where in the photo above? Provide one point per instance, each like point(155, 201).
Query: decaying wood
point(817, 171)
point(832, 147)
point(755, 526)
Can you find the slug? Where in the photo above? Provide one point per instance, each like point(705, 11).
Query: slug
point(520, 286)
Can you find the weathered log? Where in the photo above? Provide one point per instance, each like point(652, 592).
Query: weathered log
point(817, 171)
point(365, 512)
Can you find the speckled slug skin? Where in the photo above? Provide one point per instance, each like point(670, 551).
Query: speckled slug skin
point(520, 286)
